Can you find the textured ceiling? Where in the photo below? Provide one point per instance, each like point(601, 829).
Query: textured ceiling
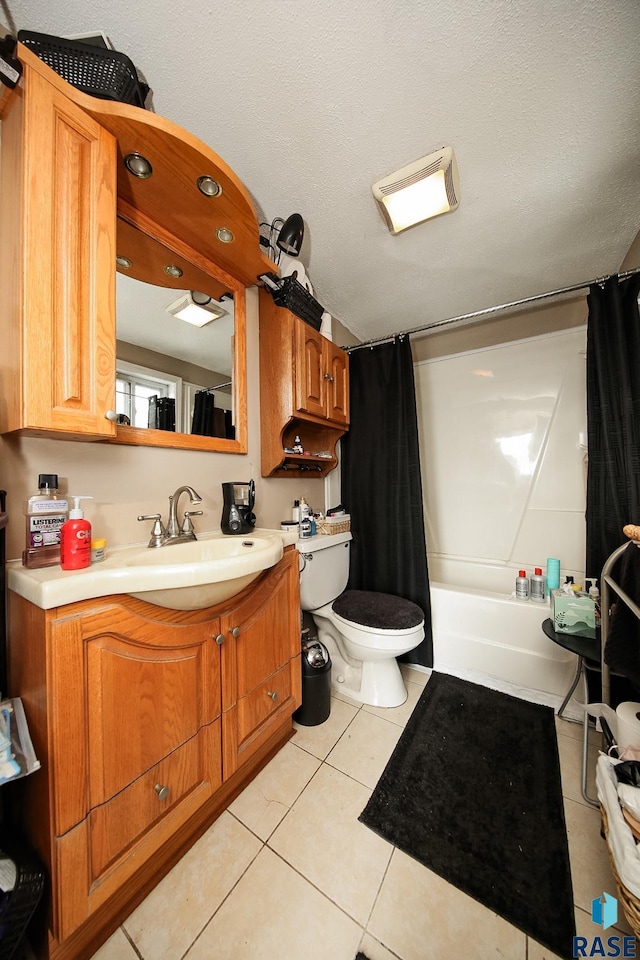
point(311, 102)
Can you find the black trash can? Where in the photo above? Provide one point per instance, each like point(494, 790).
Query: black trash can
point(316, 683)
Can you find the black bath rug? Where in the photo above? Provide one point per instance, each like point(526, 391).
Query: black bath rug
point(473, 792)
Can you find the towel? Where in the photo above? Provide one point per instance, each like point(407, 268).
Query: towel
point(622, 652)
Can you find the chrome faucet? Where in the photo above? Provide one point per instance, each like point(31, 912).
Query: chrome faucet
point(186, 532)
point(173, 532)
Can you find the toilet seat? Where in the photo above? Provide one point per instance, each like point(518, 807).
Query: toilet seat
point(375, 612)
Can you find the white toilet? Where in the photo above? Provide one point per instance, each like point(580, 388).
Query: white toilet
point(363, 631)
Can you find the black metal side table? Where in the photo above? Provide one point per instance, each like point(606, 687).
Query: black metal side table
point(587, 649)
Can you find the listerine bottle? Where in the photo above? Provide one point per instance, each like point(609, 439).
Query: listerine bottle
point(45, 513)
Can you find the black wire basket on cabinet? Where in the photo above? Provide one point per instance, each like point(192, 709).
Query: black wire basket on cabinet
point(292, 295)
point(95, 70)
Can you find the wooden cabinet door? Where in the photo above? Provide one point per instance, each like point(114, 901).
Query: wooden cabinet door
point(310, 389)
point(336, 366)
point(135, 707)
point(128, 690)
point(59, 222)
point(261, 679)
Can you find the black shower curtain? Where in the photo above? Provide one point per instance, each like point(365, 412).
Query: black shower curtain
point(381, 482)
point(613, 417)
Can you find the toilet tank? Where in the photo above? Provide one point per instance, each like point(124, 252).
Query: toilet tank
point(324, 568)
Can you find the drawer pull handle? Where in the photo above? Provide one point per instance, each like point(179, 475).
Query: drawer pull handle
point(235, 631)
point(273, 694)
point(162, 790)
point(220, 639)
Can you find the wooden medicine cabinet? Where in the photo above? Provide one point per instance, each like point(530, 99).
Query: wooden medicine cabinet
point(70, 208)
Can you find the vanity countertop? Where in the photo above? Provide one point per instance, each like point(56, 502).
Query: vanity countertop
point(50, 587)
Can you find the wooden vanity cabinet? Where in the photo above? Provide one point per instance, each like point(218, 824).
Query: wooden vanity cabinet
point(147, 723)
point(261, 676)
point(58, 217)
point(304, 391)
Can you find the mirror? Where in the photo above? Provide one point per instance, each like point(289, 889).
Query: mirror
point(177, 384)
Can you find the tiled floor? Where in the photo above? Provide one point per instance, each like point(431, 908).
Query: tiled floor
point(288, 872)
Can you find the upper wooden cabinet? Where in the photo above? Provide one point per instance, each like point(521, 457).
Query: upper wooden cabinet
point(304, 391)
point(321, 375)
point(57, 211)
point(70, 209)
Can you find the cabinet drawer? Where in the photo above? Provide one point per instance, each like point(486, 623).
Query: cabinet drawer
point(262, 702)
point(116, 825)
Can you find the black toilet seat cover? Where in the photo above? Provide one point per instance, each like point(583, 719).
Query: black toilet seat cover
point(382, 611)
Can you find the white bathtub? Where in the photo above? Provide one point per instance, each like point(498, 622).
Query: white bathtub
point(498, 640)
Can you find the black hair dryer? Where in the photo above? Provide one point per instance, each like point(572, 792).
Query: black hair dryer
point(238, 499)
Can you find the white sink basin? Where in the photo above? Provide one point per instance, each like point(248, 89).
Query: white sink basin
point(181, 576)
point(211, 570)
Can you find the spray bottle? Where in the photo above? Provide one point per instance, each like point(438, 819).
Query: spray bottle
point(75, 544)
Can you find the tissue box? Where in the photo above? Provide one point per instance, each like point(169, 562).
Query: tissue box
point(574, 613)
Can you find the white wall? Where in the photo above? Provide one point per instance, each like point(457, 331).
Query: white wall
point(503, 469)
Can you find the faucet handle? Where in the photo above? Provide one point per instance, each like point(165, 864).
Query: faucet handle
point(158, 532)
point(187, 526)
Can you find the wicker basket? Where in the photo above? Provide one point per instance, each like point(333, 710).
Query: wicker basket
point(334, 524)
point(630, 903)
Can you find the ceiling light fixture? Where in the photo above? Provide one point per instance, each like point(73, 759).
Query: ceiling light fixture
point(138, 165)
point(196, 308)
point(172, 270)
point(421, 190)
point(123, 262)
point(209, 186)
point(224, 235)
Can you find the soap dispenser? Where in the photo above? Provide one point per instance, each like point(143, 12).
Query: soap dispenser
point(75, 542)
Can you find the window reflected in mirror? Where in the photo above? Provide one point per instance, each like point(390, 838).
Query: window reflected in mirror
point(173, 375)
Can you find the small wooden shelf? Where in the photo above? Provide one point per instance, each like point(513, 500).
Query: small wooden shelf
point(304, 392)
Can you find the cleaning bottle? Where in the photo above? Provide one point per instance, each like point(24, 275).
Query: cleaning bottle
point(537, 586)
point(522, 585)
point(75, 545)
point(45, 514)
point(594, 593)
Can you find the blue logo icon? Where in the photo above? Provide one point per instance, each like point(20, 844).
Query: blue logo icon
point(604, 911)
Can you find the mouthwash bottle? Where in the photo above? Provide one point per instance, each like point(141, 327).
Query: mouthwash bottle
point(45, 513)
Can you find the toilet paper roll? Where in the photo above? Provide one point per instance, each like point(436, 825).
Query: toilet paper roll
point(628, 723)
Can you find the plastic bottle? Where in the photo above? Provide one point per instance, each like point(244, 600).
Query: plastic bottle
point(594, 593)
point(45, 513)
point(522, 585)
point(537, 586)
point(75, 545)
point(295, 513)
point(304, 509)
point(98, 550)
point(553, 574)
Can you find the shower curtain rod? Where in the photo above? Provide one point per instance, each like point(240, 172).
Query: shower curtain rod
point(488, 310)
